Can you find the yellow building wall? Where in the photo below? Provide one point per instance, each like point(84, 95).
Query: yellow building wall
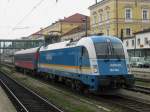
point(68, 26)
point(59, 27)
point(97, 10)
point(136, 24)
point(53, 27)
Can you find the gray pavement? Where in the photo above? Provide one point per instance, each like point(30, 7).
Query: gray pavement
point(5, 103)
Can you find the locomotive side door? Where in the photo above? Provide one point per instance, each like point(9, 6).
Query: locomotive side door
point(79, 59)
point(83, 60)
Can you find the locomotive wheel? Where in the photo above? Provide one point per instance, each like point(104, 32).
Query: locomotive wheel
point(86, 91)
point(79, 86)
point(73, 86)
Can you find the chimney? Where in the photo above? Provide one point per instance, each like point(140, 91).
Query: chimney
point(95, 1)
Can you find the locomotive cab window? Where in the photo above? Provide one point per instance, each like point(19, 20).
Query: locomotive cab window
point(109, 50)
point(118, 50)
point(85, 53)
point(101, 49)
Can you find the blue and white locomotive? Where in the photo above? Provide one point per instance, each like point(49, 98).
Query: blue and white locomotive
point(93, 63)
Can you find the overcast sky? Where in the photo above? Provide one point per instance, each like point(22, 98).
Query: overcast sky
point(20, 18)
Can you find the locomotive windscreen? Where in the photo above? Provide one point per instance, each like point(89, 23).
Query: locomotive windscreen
point(109, 50)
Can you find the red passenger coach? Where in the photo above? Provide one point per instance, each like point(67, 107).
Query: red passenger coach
point(27, 59)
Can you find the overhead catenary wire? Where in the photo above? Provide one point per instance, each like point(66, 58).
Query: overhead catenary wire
point(34, 8)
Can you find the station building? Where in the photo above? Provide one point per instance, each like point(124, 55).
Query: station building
point(111, 17)
point(139, 46)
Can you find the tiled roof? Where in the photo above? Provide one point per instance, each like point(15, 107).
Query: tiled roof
point(76, 18)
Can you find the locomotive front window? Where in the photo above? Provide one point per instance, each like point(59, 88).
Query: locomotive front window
point(109, 50)
point(118, 50)
point(101, 49)
point(85, 53)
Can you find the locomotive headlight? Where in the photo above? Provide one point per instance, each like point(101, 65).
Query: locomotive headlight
point(95, 68)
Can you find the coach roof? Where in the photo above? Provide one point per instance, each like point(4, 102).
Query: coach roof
point(27, 51)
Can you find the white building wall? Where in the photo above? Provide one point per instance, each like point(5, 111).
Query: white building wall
point(141, 37)
point(128, 43)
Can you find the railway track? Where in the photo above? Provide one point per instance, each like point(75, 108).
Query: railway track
point(141, 89)
point(130, 104)
point(9, 65)
point(24, 99)
point(142, 79)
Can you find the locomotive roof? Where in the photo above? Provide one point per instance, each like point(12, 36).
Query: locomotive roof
point(55, 46)
point(82, 41)
point(26, 51)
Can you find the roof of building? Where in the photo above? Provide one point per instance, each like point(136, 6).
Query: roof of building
point(97, 4)
point(143, 31)
point(75, 18)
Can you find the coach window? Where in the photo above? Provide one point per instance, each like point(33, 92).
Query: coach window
point(85, 53)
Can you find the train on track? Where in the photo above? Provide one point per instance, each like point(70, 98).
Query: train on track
point(94, 63)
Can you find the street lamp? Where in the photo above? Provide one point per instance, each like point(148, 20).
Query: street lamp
point(85, 20)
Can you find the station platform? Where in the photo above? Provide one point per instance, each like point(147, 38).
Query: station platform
point(5, 103)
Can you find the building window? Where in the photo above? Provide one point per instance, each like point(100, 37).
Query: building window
point(145, 14)
point(100, 18)
point(128, 32)
point(95, 18)
point(128, 13)
point(100, 28)
point(132, 42)
point(139, 41)
point(107, 15)
point(127, 43)
point(146, 41)
point(107, 31)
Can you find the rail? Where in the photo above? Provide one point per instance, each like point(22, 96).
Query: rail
point(24, 99)
point(141, 89)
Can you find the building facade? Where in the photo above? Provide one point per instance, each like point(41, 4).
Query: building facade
point(139, 46)
point(62, 26)
point(111, 17)
point(79, 32)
